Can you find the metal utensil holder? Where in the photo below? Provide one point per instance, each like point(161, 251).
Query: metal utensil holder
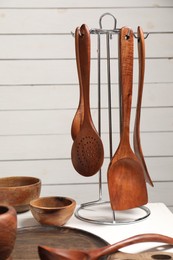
point(117, 217)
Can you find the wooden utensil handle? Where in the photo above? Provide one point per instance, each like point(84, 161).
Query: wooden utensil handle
point(84, 62)
point(126, 76)
point(141, 54)
point(77, 37)
point(149, 237)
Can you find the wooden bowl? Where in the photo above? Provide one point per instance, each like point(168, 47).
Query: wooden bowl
point(8, 228)
point(52, 211)
point(18, 191)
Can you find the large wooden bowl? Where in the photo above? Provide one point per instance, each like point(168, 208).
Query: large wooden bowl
point(53, 211)
point(18, 191)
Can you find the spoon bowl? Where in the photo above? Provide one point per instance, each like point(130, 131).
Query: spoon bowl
point(87, 150)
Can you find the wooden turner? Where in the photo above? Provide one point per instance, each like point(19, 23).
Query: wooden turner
point(126, 182)
point(136, 134)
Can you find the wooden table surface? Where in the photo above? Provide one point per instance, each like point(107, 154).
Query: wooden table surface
point(160, 221)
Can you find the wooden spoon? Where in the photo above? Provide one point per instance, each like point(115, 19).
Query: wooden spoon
point(126, 182)
point(48, 253)
point(78, 118)
point(136, 135)
point(87, 150)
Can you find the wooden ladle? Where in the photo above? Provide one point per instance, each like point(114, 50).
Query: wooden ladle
point(87, 150)
point(126, 182)
point(48, 253)
point(136, 134)
point(78, 118)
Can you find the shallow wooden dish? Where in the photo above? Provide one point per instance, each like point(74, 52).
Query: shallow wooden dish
point(18, 191)
point(28, 239)
point(53, 211)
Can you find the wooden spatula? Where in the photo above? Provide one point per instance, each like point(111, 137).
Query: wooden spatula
point(126, 182)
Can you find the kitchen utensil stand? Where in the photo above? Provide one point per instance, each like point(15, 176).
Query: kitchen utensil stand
point(114, 217)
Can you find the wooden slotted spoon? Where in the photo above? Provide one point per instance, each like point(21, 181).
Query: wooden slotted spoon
point(87, 150)
point(78, 118)
point(136, 134)
point(126, 182)
point(48, 253)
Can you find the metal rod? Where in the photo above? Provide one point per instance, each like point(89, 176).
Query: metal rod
point(114, 216)
point(109, 92)
point(120, 94)
point(88, 207)
point(99, 82)
point(99, 105)
point(116, 31)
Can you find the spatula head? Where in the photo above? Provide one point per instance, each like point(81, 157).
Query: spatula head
point(127, 186)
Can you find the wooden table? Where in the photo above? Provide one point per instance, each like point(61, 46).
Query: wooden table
point(160, 221)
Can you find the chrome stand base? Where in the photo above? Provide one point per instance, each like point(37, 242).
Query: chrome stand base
point(100, 212)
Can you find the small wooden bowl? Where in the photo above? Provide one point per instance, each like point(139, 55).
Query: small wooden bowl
point(52, 211)
point(18, 191)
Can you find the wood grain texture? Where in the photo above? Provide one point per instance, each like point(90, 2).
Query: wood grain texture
point(87, 152)
point(126, 183)
point(8, 229)
point(18, 191)
point(39, 88)
point(48, 253)
point(28, 240)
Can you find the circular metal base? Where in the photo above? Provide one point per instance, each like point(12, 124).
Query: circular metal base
point(100, 212)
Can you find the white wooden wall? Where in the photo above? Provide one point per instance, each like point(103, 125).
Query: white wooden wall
point(39, 91)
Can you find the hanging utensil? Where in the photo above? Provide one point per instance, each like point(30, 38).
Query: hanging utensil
point(48, 253)
point(87, 150)
point(78, 118)
point(136, 135)
point(126, 183)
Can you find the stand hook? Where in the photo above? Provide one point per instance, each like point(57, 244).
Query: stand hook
point(101, 18)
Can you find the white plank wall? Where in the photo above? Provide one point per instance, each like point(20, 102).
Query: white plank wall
point(39, 91)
